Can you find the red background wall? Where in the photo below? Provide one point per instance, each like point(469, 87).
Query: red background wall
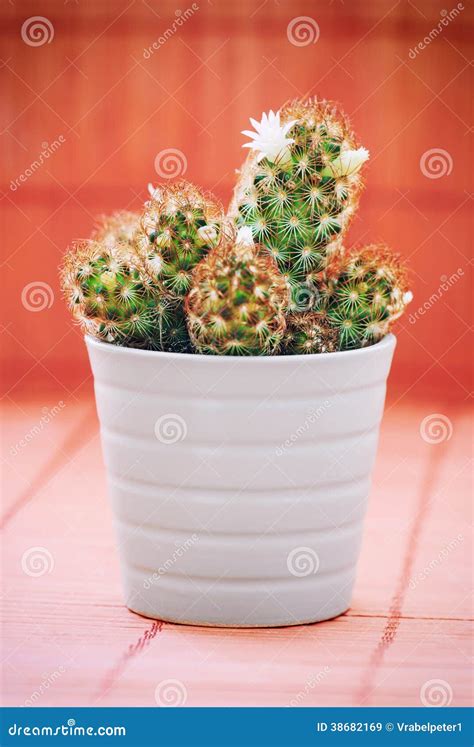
point(117, 110)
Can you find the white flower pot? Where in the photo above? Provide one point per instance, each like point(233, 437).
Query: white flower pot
point(239, 485)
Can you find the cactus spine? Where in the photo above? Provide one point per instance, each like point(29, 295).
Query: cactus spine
point(237, 302)
point(299, 189)
point(310, 332)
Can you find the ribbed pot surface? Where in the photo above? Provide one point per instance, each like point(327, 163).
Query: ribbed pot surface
point(239, 485)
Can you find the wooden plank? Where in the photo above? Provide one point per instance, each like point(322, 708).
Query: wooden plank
point(309, 666)
point(38, 437)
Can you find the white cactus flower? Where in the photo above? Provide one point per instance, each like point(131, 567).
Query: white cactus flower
point(347, 163)
point(270, 137)
point(244, 236)
point(208, 234)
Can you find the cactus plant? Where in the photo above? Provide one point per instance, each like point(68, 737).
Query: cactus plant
point(237, 302)
point(179, 276)
point(364, 293)
point(115, 301)
point(299, 188)
point(180, 224)
point(310, 332)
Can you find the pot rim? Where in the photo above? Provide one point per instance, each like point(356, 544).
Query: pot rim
point(389, 341)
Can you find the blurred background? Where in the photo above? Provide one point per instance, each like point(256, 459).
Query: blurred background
point(105, 89)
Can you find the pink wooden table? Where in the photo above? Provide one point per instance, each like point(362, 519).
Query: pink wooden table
point(68, 639)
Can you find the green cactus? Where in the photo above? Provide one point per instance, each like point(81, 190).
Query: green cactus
point(178, 227)
point(364, 293)
point(237, 302)
point(310, 332)
point(113, 300)
point(299, 188)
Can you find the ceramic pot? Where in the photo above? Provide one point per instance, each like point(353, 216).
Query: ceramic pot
point(239, 484)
